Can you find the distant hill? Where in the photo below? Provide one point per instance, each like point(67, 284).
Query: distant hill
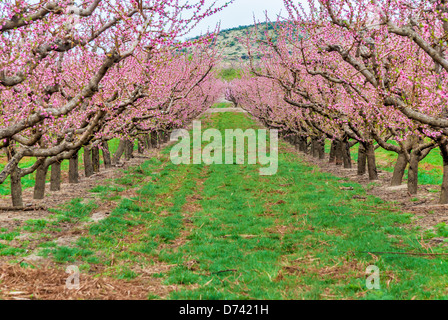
point(231, 44)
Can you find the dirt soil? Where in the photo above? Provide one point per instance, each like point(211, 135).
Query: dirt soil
point(46, 283)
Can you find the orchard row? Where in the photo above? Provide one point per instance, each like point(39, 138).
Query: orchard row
point(77, 74)
point(365, 72)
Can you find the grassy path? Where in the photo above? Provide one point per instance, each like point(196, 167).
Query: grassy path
point(225, 232)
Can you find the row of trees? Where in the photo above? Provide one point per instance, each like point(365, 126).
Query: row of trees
point(76, 74)
point(362, 72)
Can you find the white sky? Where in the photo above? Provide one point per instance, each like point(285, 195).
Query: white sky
point(241, 13)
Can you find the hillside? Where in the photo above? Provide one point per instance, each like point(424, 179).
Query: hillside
point(232, 46)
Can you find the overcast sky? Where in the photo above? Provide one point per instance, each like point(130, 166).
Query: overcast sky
point(241, 13)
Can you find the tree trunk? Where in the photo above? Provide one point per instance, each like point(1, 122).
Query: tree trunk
point(106, 154)
point(55, 180)
point(315, 147)
point(413, 172)
point(154, 143)
point(40, 181)
point(399, 170)
point(16, 188)
point(73, 175)
point(147, 141)
point(166, 136)
point(140, 145)
point(346, 156)
point(371, 162)
point(333, 151)
point(362, 160)
point(161, 138)
point(96, 159)
point(303, 144)
point(88, 165)
point(129, 149)
point(321, 145)
point(119, 152)
point(338, 154)
point(444, 190)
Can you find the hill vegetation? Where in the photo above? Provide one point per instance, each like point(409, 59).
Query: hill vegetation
point(231, 42)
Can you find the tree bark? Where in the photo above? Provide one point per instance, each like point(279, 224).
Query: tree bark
point(40, 182)
point(140, 145)
point(88, 165)
point(147, 141)
point(129, 149)
point(312, 147)
point(444, 189)
point(362, 160)
point(321, 145)
point(16, 182)
point(55, 180)
point(413, 172)
point(346, 156)
point(119, 152)
point(154, 143)
point(96, 159)
point(315, 147)
point(16, 188)
point(399, 170)
point(371, 162)
point(338, 154)
point(166, 136)
point(73, 175)
point(303, 144)
point(106, 154)
point(333, 151)
point(161, 138)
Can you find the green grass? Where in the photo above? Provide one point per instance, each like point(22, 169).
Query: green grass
point(222, 105)
point(233, 234)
